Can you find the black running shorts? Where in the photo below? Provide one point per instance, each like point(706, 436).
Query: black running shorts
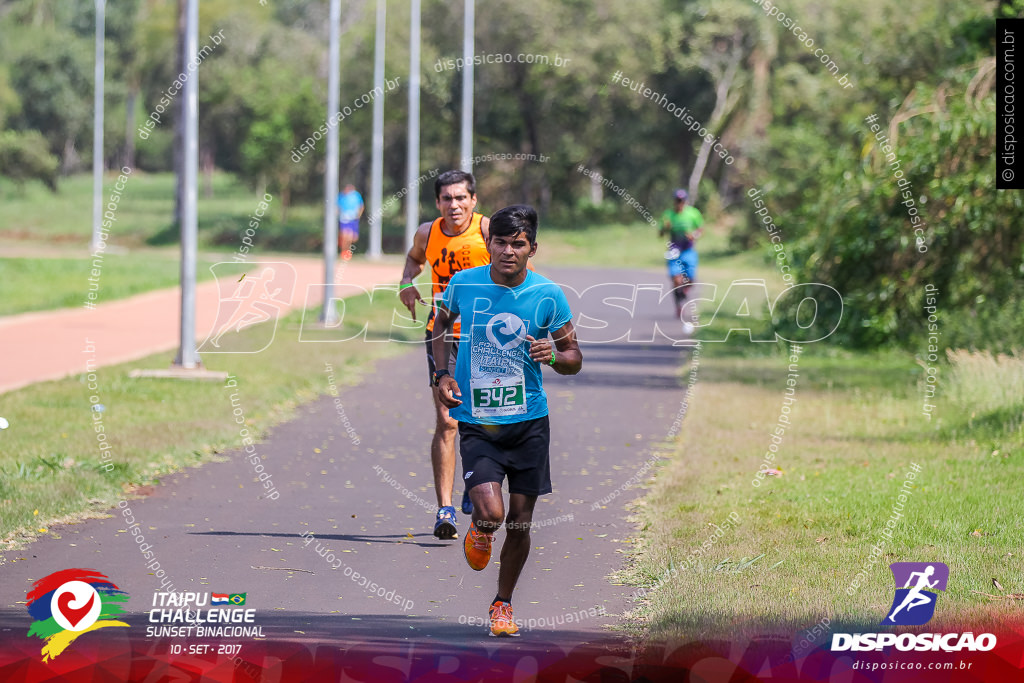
point(518, 451)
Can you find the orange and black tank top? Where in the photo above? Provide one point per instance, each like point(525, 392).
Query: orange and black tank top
point(447, 255)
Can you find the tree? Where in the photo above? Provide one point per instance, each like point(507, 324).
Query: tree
point(717, 40)
point(23, 156)
point(54, 87)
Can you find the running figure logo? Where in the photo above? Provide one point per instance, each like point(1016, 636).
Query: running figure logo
point(914, 603)
point(256, 297)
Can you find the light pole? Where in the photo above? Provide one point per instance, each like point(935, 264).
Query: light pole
point(328, 316)
point(377, 166)
point(466, 158)
point(412, 156)
point(97, 129)
point(188, 357)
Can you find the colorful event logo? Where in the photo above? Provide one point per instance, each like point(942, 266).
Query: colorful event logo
point(914, 603)
point(68, 603)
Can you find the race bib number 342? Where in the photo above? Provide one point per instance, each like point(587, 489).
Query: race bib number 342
point(499, 397)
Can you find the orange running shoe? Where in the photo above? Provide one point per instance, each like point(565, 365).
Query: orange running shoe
point(503, 624)
point(477, 547)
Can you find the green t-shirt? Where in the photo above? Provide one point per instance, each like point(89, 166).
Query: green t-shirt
point(682, 225)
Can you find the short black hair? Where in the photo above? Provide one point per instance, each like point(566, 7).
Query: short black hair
point(515, 219)
point(454, 178)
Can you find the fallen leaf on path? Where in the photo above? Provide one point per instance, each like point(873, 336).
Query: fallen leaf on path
point(282, 569)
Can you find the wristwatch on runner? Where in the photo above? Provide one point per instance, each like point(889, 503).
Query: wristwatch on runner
point(438, 374)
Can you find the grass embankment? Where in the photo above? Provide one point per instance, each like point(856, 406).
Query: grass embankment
point(790, 556)
point(40, 284)
point(144, 213)
point(50, 457)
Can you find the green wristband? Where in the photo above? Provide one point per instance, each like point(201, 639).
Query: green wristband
point(405, 286)
point(552, 361)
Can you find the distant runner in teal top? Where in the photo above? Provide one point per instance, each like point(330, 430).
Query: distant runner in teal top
point(497, 393)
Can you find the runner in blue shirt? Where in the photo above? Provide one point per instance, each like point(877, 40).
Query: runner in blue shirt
point(497, 393)
point(350, 209)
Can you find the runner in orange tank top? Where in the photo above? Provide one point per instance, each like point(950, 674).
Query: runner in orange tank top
point(447, 255)
point(453, 242)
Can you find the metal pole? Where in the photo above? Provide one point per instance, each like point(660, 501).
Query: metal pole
point(377, 166)
point(328, 315)
point(97, 129)
point(466, 158)
point(188, 357)
point(412, 157)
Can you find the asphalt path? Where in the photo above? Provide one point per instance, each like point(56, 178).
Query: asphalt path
point(356, 500)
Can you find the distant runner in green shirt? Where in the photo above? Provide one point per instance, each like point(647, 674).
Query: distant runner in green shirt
point(683, 226)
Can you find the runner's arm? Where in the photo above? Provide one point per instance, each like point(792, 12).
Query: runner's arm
point(568, 357)
point(415, 260)
point(700, 227)
point(441, 345)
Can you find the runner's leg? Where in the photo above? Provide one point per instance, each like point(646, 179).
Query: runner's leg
point(442, 444)
point(679, 291)
point(689, 261)
point(488, 506)
point(516, 547)
point(442, 452)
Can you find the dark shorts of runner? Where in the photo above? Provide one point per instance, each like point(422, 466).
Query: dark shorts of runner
point(351, 227)
point(518, 451)
point(430, 358)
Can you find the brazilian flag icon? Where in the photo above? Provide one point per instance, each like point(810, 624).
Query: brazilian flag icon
point(237, 598)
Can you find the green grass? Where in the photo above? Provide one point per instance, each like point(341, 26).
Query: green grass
point(637, 245)
point(49, 458)
point(39, 284)
point(145, 210)
point(802, 537)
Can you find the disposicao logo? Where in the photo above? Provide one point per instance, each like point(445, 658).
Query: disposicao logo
point(68, 603)
point(914, 605)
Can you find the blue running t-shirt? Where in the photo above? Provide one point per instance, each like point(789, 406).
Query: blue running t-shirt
point(350, 204)
point(499, 382)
